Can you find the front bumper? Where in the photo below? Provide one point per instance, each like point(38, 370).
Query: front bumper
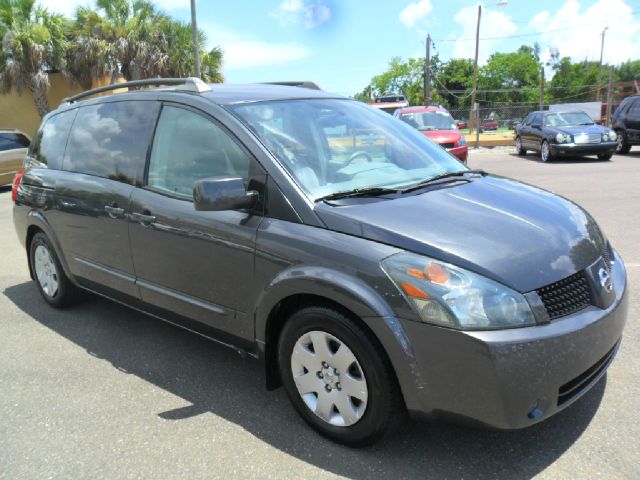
point(583, 148)
point(511, 379)
point(460, 153)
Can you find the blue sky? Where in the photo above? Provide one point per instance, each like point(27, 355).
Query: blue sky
point(341, 44)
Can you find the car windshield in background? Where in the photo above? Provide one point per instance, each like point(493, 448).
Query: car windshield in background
point(573, 118)
point(425, 121)
point(331, 146)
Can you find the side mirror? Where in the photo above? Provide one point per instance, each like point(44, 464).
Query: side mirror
point(217, 194)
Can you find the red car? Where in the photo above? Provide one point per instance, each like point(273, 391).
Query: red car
point(489, 124)
point(437, 124)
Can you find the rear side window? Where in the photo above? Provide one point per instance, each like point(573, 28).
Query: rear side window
point(634, 110)
point(50, 141)
point(11, 141)
point(188, 147)
point(110, 140)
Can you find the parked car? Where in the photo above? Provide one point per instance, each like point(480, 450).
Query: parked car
point(489, 124)
point(461, 124)
point(371, 280)
point(13, 148)
point(437, 124)
point(626, 123)
point(556, 134)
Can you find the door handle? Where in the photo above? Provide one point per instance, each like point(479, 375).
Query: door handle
point(144, 217)
point(114, 211)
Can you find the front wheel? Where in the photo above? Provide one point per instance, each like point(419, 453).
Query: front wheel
point(338, 377)
point(519, 150)
point(622, 146)
point(545, 152)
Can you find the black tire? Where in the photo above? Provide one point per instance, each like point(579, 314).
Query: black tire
point(66, 293)
point(605, 156)
point(384, 408)
point(519, 150)
point(623, 146)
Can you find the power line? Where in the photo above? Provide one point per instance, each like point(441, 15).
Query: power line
point(532, 34)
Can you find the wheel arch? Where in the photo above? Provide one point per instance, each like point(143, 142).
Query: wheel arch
point(36, 223)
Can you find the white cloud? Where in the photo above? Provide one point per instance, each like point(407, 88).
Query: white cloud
point(583, 39)
point(310, 13)
point(252, 53)
point(414, 12)
point(493, 23)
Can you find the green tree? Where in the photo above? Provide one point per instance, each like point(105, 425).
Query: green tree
point(33, 43)
point(516, 74)
point(455, 82)
point(629, 71)
point(573, 81)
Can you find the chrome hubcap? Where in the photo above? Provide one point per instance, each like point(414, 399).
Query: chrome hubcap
point(46, 271)
point(329, 378)
point(518, 145)
point(619, 139)
point(545, 152)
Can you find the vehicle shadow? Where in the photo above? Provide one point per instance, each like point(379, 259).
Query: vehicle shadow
point(577, 159)
point(215, 379)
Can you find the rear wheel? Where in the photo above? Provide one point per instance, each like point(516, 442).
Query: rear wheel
point(545, 152)
point(605, 156)
point(338, 377)
point(519, 150)
point(623, 145)
point(53, 284)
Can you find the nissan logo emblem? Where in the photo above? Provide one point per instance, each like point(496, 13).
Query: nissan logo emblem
point(605, 280)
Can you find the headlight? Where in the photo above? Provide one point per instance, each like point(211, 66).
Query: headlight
point(462, 142)
point(612, 135)
point(605, 137)
point(561, 138)
point(449, 296)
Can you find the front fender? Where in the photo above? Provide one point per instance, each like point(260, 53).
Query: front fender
point(358, 297)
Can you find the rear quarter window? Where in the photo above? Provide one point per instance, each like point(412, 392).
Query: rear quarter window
point(111, 140)
point(49, 143)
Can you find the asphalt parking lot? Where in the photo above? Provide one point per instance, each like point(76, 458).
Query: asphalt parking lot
point(101, 391)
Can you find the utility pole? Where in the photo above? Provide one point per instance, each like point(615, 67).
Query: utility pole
point(427, 74)
point(542, 87)
point(600, 64)
point(472, 117)
point(609, 98)
point(194, 31)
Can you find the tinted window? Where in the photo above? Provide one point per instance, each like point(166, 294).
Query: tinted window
point(188, 147)
point(111, 139)
point(50, 141)
point(10, 141)
point(634, 110)
point(536, 119)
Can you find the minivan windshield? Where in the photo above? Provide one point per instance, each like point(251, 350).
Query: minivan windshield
point(331, 145)
point(572, 118)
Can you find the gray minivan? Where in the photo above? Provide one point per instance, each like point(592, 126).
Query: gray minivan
point(370, 271)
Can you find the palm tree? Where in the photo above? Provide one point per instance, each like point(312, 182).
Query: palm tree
point(133, 39)
point(33, 43)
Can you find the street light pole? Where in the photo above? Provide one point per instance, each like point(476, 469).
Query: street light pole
point(194, 30)
point(600, 64)
point(427, 74)
point(472, 117)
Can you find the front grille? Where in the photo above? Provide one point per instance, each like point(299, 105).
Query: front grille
point(574, 387)
point(587, 138)
point(447, 145)
point(567, 296)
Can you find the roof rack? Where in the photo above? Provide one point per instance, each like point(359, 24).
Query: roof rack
point(301, 84)
point(190, 84)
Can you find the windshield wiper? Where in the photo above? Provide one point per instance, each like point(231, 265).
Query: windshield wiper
point(358, 192)
point(440, 177)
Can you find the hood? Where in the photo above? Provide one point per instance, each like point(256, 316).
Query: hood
point(443, 136)
point(588, 129)
point(516, 234)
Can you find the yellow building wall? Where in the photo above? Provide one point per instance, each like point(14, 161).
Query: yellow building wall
point(19, 111)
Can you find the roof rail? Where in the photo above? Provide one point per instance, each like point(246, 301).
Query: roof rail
point(190, 84)
point(301, 84)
